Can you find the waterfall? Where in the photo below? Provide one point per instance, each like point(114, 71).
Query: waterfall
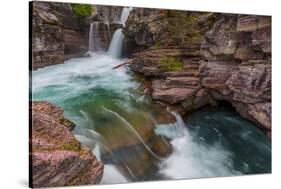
point(115, 47)
point(108, 31)
point(94, 38)
point(125, 14)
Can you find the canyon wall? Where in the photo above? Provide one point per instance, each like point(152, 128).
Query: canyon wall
point(59, 34)
point(195, 59)
point(57, 158)
point(56, 34)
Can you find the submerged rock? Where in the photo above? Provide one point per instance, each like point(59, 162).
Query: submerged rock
point(58, 159)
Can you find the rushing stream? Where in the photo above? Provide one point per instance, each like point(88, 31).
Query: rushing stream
point(119, 124)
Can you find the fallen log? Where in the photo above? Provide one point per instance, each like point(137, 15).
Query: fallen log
point(120, 65)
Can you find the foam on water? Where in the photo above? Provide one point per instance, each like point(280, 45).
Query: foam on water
point(79, 76)
point(111, 175)
point(191, 159)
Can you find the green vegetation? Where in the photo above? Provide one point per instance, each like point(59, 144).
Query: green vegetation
point(82, 10)
point(170, 64)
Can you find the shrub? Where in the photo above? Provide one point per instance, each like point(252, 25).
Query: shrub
point(82, 10)
point(170, 64)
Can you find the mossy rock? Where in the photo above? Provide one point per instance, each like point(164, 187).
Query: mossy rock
point(170, 64)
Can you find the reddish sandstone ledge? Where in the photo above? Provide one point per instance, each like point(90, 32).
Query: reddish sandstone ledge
point(58, 159)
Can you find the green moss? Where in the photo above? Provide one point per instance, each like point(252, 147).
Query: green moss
point(170, 64)
point(82, 10)
point(72, 146)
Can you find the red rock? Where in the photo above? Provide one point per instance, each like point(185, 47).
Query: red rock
point(172, 95)
point(58, 159)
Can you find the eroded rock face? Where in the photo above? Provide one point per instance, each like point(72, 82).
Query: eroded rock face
point(247, 87)
point(58, 159)
point(228, 59)
point(236, 65)
point(143, 28)
point(173, 87)
point(56, 34)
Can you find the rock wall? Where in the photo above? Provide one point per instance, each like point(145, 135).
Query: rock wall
point(56, 34)
point(236, 65)
point(221, 56)
point(57, 158)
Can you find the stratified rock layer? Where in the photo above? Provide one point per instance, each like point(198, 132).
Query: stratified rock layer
point(236, 65)
point(228, 58)
point(57, 157)
point(56, 34)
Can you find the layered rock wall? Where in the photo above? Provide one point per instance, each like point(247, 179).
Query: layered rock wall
point(57, 158)
point(221, 57)
point(56, 34)
point(236, 65)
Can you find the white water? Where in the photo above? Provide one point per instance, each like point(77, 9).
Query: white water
point(125, 14)
point(190, 159)
point(81, 75)
point(111, 175)
point(115, 47)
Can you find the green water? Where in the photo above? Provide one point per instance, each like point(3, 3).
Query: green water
point(250, 147)
point(121, 126)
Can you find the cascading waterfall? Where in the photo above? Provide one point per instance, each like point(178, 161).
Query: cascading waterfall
point(108, 30)
point(115, 47)
point(94, 40)
point(125, 14)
